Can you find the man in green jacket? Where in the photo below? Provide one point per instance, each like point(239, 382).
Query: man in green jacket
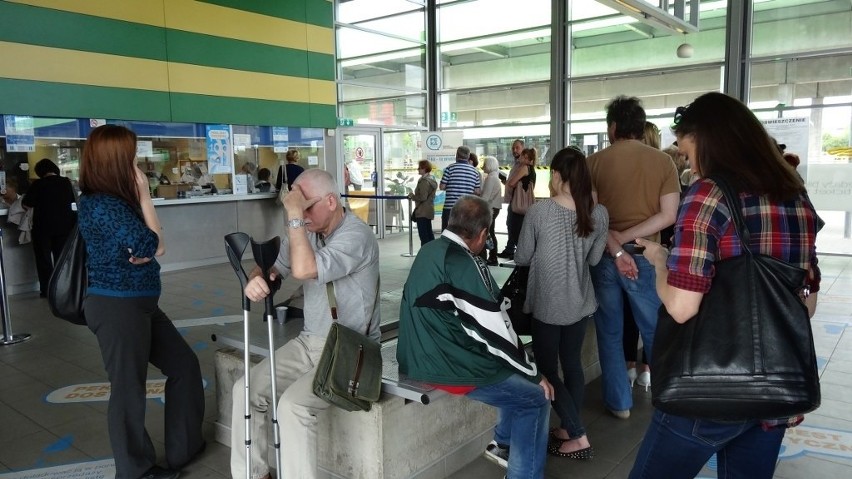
point(454, 334)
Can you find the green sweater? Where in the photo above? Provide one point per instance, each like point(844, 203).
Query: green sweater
point(453, 329)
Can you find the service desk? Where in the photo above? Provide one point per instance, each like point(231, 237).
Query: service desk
point(194, 229)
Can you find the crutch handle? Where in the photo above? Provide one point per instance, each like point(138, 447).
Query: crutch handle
point(235, 246)
point(265, 254)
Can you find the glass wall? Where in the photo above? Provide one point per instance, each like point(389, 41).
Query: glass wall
point(170, 153)
point(495, 84)
point(494, 68)
point(801, 86)
point(381, 66)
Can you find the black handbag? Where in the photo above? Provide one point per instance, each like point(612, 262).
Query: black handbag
point(515, 288)
point(69, 280)
point(749, 352)
point(349, 372)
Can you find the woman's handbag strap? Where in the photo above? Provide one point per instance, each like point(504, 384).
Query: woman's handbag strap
point(735, 207)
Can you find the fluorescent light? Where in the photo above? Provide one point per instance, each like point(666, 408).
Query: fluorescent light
point(650, 15)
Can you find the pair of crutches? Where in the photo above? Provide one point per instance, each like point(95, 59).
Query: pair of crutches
point(265, 254)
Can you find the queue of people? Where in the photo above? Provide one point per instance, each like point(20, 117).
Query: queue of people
point(584, 249)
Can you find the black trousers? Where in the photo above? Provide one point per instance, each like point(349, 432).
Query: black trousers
point(514, 223)
point(47, 249)
point(133, 332)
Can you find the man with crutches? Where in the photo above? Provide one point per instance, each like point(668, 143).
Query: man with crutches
point(323, 243)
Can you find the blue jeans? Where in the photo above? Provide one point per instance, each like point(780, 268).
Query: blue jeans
point(424, 230)
point(609, 323)
point(522, 423)
point(561, 345)
point(676, 447)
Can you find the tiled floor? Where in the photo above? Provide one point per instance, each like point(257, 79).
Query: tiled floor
point(40, 438)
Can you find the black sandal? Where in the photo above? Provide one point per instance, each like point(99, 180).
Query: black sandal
point(586, 453)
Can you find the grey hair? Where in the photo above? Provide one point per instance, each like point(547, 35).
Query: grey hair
point(322, 181)
point(469, 216)
point(490, 165)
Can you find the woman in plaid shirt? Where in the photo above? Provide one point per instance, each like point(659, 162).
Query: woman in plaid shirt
point(721, 137)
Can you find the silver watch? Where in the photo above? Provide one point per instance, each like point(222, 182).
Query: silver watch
point(296, 223)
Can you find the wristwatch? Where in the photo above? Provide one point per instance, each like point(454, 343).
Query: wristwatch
point(296, 223)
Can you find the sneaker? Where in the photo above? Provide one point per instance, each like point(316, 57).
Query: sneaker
point(497, 454)
point(620, 414)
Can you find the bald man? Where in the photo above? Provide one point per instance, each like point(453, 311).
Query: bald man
point(324, 243)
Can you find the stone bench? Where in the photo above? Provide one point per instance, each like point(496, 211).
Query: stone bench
point(413, 431)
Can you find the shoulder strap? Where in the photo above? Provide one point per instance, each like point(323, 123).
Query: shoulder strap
point(733, 201)
point(332, 298)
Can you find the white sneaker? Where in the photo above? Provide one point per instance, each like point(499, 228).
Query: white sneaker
point(496, 454)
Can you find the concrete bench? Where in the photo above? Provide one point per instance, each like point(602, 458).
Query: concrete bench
point(413, 431)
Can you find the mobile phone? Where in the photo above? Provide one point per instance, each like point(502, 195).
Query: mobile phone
point(633, 248)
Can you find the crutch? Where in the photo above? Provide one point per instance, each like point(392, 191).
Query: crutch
point(235, 246)
point(265, 254)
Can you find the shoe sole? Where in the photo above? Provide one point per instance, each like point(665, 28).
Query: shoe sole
point(496, 460)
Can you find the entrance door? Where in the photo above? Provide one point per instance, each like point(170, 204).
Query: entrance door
point(362, 155)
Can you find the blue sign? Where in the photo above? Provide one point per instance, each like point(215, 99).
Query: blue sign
point(219, 149)
point(19, 133)
point(280, 139)
point(434, 141)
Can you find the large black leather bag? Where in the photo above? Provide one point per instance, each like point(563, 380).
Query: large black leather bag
point(69, 280)
point(515, 288)
point(749, 352)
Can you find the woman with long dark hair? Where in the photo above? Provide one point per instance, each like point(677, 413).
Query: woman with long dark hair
point(723, 140)
point(561, 237)
point(123, 236)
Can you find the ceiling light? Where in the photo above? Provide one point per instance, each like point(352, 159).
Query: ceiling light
point(651, 15)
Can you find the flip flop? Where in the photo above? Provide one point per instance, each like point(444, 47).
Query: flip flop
point(586, 453)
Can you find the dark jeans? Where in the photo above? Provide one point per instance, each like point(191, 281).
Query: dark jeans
point(445, 218)
point(676, 447)
point(561, 345)
point(133, 332)
point(47, 249)
point(511, 219)
point(631, 334)
point(424, 230)
point(514, 223)
point(494, 213)
point(522, 417)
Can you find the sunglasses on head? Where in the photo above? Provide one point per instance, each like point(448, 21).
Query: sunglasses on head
point(678, 116)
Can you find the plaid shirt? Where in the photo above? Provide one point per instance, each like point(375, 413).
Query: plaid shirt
point(704, 233)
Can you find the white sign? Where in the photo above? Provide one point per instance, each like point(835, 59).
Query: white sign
point(96, 122)
point(313, 160)
point(94, 392)
point(144, 148)
point(242, 141)
point(241, 184)
point(103, 469)
point(792, 132)
point(816, 440)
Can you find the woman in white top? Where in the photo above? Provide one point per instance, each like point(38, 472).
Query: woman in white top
point(491, 193)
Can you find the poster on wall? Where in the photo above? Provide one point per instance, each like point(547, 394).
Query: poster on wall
point(218, 149)
point(792, 132)
point(280, 139)
point(20, 136)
